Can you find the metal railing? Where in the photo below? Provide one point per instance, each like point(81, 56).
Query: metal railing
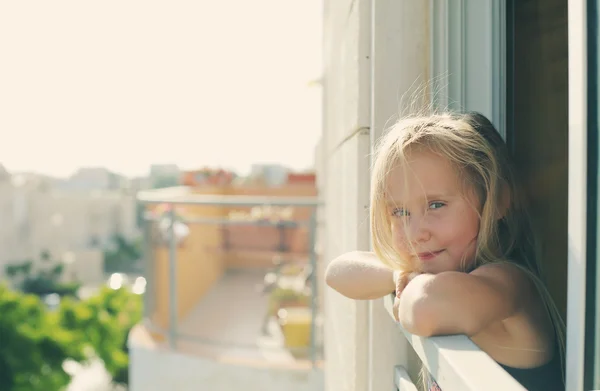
point(172, 197)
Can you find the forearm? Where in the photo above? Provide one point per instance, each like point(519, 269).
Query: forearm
point(452, 303)
point(360, 275)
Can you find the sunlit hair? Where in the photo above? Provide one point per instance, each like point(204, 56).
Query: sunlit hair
point(478, 153)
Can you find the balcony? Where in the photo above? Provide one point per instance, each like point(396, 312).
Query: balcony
point(209, 316)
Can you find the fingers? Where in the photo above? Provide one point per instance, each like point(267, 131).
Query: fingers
point(401, 282)
point(400, 285)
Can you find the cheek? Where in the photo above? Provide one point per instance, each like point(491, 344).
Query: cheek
point(398, 235)
point(466, 236)
point(457, 228)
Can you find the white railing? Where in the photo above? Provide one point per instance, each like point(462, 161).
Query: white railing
point(455, 362)
point(402, 381)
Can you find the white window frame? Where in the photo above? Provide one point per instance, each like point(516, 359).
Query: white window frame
point(468, 57)
point(576, 293)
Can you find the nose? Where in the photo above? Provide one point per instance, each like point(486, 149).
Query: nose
point(418, 230)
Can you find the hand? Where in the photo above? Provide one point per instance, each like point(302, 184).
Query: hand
point(401, 280)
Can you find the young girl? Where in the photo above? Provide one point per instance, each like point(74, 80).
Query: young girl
point(454, 242)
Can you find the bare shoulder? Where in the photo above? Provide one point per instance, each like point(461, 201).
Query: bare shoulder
point(528, 326)
point(506, 278)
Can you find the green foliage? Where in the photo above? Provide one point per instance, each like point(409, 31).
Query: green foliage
point(140, 210)
point(123, 257)
point(281, 297)
point(103, 322)
point(42, 286)
point(33, 345)
point(44, 281)
point(35, 342)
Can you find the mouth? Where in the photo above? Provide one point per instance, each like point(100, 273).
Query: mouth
point(429, 255)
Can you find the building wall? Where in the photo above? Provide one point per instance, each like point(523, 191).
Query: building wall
point(63, 221)
point(385, 59)
point(34, 220)
point(86, 267)
point(199, 264)
point(13, 244)
point(377, 67)
point(244, 239)
point(345, 150)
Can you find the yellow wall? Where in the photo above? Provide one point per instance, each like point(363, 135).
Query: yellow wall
point(199, 264)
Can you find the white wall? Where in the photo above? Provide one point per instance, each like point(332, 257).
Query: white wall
point(10, 242)
point(87, 267)
point(34, 220)
point(375, 51)
point(345, 150)
point(160, 370)
point(65, 221)
point(400, 63)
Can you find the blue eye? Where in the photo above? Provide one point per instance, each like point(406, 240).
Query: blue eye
point(400, 212)
point(436, 205)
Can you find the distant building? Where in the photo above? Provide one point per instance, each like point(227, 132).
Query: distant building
point(164, 175)
point(157, 170)
point(302, 178)
point(207, 177)
point(36, 217)
point(270, 175)
point(94, 178)
point(139, 183)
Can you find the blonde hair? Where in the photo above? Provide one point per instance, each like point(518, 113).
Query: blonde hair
point(473, 146)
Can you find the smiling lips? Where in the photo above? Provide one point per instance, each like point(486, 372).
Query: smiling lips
point(428, 256)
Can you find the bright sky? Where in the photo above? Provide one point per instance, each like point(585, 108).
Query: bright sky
point(125, 84)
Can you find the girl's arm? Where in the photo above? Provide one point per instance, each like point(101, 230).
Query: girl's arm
point(461, 303)
point(360, 275)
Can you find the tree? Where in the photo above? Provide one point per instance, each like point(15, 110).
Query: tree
point(43, 281)
point(104, 322)
point(35, 342)
point(124, 256)
point(33, 345)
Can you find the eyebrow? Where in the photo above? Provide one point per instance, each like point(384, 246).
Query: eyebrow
point(429, 197)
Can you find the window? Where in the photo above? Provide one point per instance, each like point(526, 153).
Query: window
point(468, 57)
point(592, 294)
point(583, 192)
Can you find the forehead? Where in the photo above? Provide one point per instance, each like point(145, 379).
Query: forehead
point(423, 174)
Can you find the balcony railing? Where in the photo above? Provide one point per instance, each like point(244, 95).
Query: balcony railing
point(455, 362)
point(177, 197)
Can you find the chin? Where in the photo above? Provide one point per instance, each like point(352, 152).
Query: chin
point(433, 268)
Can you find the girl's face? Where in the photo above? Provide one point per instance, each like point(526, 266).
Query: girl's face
point(434, 221)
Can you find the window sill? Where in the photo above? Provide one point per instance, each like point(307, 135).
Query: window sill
point(456, 362)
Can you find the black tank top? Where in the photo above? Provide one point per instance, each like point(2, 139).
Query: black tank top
point(548, 377)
